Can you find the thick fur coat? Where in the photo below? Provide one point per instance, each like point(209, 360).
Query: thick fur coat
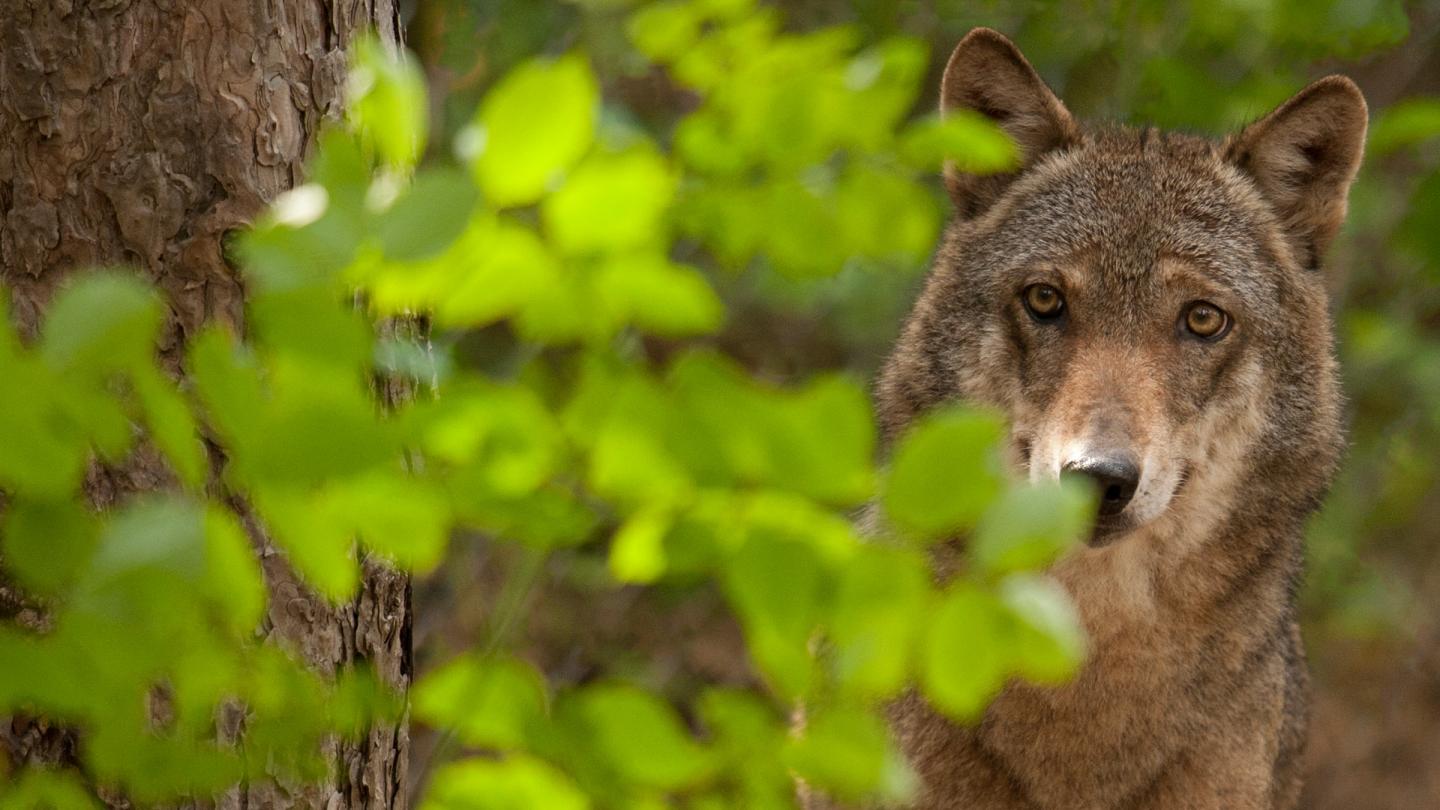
point(1195, 691)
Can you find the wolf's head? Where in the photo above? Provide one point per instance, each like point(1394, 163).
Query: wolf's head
point(1146, 307)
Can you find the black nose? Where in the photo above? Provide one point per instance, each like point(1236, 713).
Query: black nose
point(1116, 476)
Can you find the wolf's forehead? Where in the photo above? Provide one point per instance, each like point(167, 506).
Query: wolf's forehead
point(1127, 209)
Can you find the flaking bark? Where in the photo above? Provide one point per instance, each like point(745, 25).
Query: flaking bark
point(142, 133)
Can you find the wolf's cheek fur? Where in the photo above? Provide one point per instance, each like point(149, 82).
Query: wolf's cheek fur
point(1187, 414)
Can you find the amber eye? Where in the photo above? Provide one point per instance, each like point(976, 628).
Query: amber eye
point(1205, 320)
point(1044, 301)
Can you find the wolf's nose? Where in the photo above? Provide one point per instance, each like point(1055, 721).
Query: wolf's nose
point(1117, 478)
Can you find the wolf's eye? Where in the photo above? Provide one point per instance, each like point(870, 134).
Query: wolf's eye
point(1043, 301)
point(1205, 320)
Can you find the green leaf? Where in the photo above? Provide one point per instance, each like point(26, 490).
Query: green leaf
point(387, 102)
point(514, 783)
point(45, 545)
point(637, 553)
point(945, 472)
point(964, 660)
point(534, 124)
point(640, 737)
point(880, 608)
point(964, 139)
point(43, 430)
point(503, 433)
point(429, 216)
point(664, 31)
point(311, 322)
point(320, 546)
point(227, 380)
point(403, 518)
point(489, 703)
point(1030, 527)
point(612, 201)
point(777, 585)
point(103, 320)
point(848, 753)
point(494, 268)
point(34, 789)
point(1050, 644)
point(659, 297)
point(748, 737)
point(232, 574)
point(171, 426)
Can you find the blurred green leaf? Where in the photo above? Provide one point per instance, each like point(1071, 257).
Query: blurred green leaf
point(103, 320)
point(637, 553)
point(964, 663)
point(612, 201)
point(881, 605)
point(387, 102)
point(640, 737)
point(514, 783)
point(777, 586)
point(1029, 527)
point(429, 216)
point(403, 518)
point(535, 123)
point(945, 472)
point(664, 31)
point(1050, 643)
point(47, 544)
point(658, 297)
point(490, 703)
point(849, 754)
point(966, 140)
point(173, 429)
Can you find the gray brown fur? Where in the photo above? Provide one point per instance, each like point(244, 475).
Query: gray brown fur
point(1195, 692)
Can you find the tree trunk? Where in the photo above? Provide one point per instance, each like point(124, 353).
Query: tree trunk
point(141, 133)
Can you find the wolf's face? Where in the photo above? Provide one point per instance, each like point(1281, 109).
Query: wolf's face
point(1143, 306)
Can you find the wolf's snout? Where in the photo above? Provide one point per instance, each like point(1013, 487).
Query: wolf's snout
point(1116, 477)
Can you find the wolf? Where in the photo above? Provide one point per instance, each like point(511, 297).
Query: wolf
point(1147, 308)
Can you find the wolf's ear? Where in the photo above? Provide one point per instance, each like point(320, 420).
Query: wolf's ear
point(1303, 157)
point(988, 75)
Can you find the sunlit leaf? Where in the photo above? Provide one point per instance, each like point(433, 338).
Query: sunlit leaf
point(777, 586)
point(966, 140)
point(662, 31)
point(964, 663)
point(1049, 644)
point(102, 320)
point(880, 607)
point(640, 736)
point(637, 553)
point(612, 201)
point(46, 544)
point(945, 472)
point(386, 100)
point(849, 754)
point(171, 425)
point(535, 123)
point(514, 783)
point(489, 703)
point(429, 216)
point(657, 296)
point(1029, 527)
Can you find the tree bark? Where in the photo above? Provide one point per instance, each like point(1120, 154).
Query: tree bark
point(141, 133)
